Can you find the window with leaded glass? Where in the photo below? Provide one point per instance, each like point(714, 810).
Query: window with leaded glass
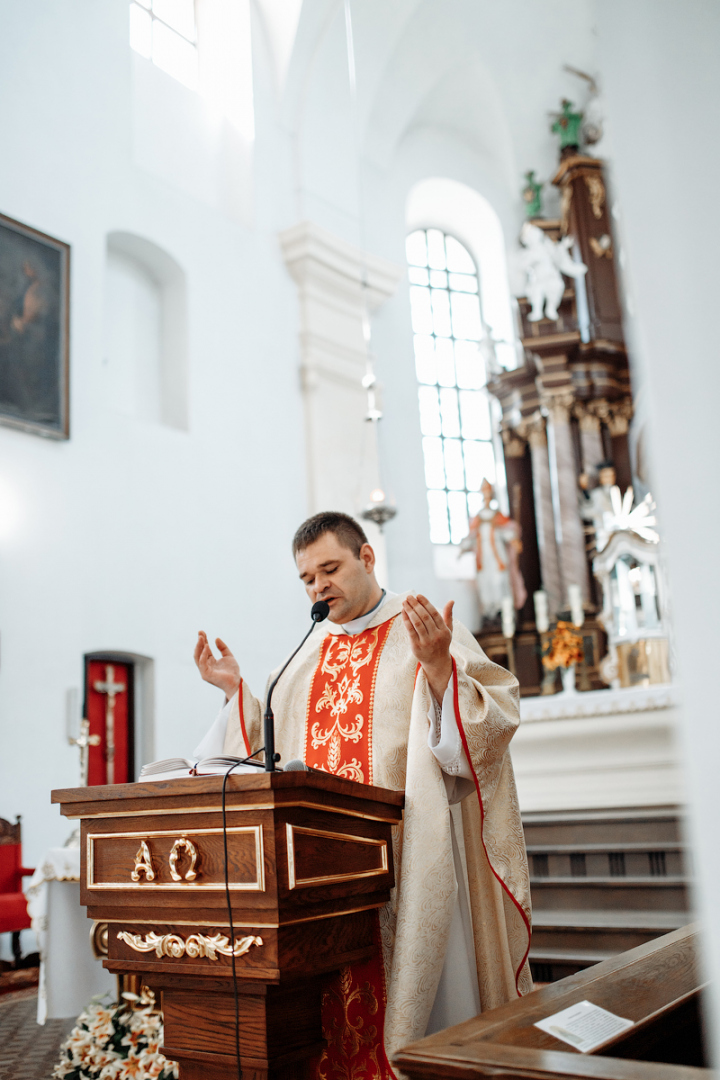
point(455, 415)
point(165, 32)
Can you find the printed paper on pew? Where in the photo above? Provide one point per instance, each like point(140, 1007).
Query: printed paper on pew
point(584, 1026)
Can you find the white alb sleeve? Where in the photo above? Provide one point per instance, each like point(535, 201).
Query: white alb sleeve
point(214, 742)
point(446, 746)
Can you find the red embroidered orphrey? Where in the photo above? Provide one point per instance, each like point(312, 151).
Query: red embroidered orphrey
point(338, 740)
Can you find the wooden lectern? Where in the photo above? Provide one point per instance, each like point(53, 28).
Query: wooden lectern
point(309, 862)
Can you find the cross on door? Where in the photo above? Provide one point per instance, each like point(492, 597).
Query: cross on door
point(112, 689)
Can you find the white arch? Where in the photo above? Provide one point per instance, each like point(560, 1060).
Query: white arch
point(169, 278)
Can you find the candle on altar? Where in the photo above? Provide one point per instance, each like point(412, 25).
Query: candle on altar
point(508, 617)
point(577, 613)
point(542, 615)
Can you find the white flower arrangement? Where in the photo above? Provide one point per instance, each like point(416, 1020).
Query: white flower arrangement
point(117, 1042)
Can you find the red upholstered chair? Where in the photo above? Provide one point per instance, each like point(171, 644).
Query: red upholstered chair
point(13, 906)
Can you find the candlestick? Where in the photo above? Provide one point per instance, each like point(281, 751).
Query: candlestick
point(508, 617)
point(542, 615)
point(577, 614)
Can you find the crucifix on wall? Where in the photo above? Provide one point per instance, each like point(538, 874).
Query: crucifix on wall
point(108, 695)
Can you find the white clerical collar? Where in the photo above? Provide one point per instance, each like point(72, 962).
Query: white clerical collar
point(356, 626)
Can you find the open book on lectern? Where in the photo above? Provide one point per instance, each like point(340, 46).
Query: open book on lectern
point(176, 767)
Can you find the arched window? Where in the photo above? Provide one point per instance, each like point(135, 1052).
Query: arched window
point(164, 31)
point(455, 415)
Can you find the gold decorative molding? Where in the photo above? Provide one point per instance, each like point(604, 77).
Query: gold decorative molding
point(558, 405)
point(513, 443)
point(241, 808)
point(143, 863)
point(588, 421)
point(297, 882)
point(565, 204)
point(602, 248)
point(188, 845)
point(615, 415)
point(534, 430)
point(195, 946)
point(619, 420)
point(596, 191)
point(99, 939)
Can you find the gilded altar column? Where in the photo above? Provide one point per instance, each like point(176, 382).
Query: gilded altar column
point(534, 431)
point(568, 525)
point(519, 476)
point(618, 424)
point(591, 443)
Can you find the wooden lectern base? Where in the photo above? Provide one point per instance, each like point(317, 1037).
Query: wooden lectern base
point(279, 1029)
point(310, 862)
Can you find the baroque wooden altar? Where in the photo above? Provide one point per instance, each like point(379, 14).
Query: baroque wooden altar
point(309, 859)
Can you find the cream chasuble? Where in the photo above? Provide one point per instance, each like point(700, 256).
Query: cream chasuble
point(359, 705)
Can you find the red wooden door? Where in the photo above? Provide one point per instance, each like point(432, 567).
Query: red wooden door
point(108, 697)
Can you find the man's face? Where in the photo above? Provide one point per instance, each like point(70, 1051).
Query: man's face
point(607, 477)
point(332, 572)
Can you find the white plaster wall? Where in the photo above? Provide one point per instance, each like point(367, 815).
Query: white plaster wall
point(662, 83)
point(133, 535)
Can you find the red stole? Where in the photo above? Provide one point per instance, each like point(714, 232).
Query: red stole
point(338, 740)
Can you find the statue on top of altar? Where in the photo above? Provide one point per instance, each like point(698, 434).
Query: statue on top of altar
point(610, 512)
point(544, 262)
point(497, 541)
point(532, 196)
point(596, 503)
point(568, 125)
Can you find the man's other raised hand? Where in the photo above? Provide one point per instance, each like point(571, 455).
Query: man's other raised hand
point(223, 673)
point(430, 635)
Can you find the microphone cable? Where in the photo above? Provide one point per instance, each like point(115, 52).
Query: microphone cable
point(319, 612)
point(245, 761)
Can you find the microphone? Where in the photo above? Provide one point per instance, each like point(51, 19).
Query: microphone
point(297, 765)
point(319, 612)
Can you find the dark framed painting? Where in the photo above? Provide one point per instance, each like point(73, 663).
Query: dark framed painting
point(34, 330)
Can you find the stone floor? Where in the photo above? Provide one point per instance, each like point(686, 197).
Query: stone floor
point(28, 1051)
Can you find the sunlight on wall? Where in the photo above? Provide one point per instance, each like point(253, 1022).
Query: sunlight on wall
point(10, 510)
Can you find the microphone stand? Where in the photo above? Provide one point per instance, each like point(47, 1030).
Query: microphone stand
point(320, 611)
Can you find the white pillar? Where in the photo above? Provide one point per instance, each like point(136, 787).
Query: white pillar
point(661, 80)
point(337, 284)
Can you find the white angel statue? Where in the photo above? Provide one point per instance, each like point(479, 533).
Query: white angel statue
point(543, 260)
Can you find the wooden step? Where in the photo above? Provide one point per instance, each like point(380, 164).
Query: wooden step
point(578, 828)
point(604, 931)
point(601, 861)
point(586, 957)
point(633, 894)
point(567, 849)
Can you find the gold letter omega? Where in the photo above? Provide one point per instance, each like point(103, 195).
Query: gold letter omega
point(183, 842)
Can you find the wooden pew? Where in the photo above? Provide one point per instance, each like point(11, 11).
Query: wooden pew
point(656, 985)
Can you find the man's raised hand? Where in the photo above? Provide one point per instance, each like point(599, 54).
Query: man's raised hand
point(225, 672)
point(430, 635)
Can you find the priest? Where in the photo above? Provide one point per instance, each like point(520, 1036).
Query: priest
point(390, 692)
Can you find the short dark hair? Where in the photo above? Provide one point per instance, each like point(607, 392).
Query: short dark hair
point(344, 527)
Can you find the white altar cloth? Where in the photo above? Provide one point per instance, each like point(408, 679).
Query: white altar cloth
point(70, 975)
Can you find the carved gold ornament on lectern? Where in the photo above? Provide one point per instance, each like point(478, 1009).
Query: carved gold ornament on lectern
point(197, 945)
point(143, 863)
point(188, 845)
